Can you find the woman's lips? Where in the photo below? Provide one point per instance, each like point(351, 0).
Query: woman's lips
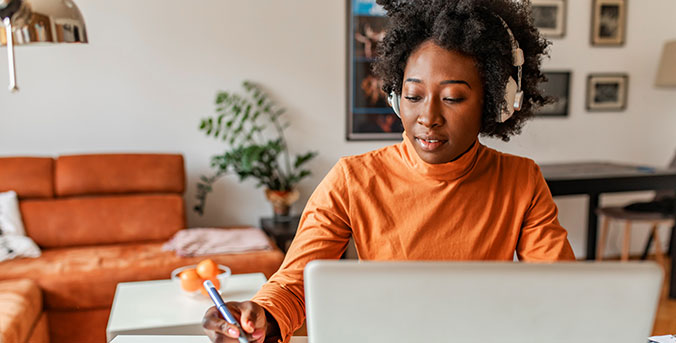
point(430, 145)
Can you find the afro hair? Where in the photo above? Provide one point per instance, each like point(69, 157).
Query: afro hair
point(474, 28)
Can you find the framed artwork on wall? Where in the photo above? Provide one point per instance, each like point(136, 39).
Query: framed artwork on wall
point(549, 16)
point(557, 86)
point(369, 117)
point(607, 92)
point(609, 22)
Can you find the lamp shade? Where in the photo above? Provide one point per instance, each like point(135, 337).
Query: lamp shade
point(43, 21)
point(666, 74)
point(38, 21)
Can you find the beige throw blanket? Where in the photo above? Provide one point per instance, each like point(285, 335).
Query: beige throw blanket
point(210, 241)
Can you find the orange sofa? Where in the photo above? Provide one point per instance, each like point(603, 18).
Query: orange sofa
point(99, 220)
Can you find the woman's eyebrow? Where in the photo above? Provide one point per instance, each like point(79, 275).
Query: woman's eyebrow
point(445, 82)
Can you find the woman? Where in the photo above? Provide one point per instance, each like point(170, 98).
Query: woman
point(440, 194)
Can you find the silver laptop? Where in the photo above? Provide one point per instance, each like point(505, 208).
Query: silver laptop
point(393, 302)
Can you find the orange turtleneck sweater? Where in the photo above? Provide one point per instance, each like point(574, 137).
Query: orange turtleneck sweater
point(485, 205)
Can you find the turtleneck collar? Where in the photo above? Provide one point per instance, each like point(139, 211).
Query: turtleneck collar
point(443, 171)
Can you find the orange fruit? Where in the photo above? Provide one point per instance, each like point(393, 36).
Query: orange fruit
point(217, 284)
point(190, 280)
point(207, 269)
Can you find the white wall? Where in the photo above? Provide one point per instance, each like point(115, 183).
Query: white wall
point(153, 67)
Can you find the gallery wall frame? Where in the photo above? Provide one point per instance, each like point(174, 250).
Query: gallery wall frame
point(369, 116)
point(607, 92)
point(550, 16)
point(557, 86)
point(609, 22)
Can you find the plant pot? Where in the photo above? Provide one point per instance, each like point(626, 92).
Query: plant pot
point(281, 201)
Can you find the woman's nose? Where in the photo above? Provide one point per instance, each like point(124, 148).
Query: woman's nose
point(431, 115)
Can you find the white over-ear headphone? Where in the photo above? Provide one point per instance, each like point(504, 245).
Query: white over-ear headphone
point(513, 92)
point(393, 99)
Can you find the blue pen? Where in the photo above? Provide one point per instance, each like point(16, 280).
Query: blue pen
point(223, 309)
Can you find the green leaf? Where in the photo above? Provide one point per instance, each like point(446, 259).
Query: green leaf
point(301, 159)
point(210, 126)
point(222, 97)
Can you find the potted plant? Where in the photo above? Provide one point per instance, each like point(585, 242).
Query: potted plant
point(252, 127)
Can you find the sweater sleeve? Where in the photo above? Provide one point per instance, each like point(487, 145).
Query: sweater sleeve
point(542, 238)
point(323, 233)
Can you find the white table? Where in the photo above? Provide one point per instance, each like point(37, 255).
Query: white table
point(179, 339)
point(159, 307)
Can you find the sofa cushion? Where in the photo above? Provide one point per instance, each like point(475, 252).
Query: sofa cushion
point(29, 177)
point(119, 174)
point(102, 220)
point(86, 277)
point(66, 326)
point(20, 309)
point(40, 332)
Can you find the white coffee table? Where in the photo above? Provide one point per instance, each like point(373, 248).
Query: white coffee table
point(180, 339)
point(159, 307)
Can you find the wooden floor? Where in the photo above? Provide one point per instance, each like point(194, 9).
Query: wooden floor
point(665, 321)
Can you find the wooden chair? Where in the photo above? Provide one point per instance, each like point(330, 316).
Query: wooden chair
point(655, 219)
point(609, 214)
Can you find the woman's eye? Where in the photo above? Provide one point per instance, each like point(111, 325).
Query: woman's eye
point(454, 100)
point(412, 98)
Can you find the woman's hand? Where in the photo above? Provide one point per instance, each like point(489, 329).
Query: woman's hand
point(250, 315)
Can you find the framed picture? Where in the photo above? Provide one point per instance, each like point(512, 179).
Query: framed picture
point(607, 92)
point(549, 16)
point(609, 22)
point(369, 117)
point(557, 86)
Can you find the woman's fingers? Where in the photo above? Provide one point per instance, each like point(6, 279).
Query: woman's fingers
point(253, 320)
point(215, 326)
point(248, 317)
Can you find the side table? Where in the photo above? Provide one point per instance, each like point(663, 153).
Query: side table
point(158, 307)
point(281, 230)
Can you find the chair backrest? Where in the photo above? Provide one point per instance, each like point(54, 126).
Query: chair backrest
point(667, 193)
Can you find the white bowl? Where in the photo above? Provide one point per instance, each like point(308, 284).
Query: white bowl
point(222, 278)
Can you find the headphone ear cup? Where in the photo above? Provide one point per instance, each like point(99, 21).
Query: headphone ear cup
point(510, 96)
point(394, 100)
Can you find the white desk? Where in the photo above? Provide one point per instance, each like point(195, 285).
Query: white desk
point(179, 339)
point(159, 307)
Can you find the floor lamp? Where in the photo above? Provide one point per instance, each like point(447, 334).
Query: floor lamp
point(38, 21)
point(666, 74)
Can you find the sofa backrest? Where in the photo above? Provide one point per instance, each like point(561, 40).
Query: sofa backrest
point(99, 198)
point(29, 177)
point(118, 174)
